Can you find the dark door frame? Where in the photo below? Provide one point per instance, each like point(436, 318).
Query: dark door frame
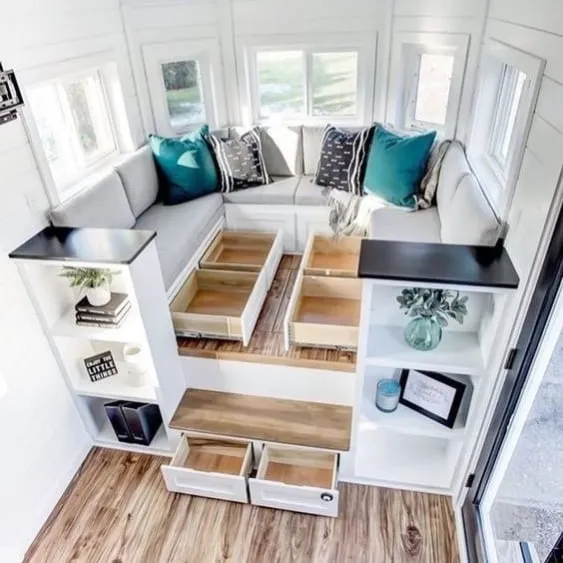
point(538, 313)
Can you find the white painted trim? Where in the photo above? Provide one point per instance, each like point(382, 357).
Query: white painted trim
point(500, 191)
point(206, 52)
point(365, 44)
point(407, 46)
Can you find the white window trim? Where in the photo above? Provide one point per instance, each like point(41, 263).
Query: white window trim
point(208, 56)
point(407, 48)
point(362, 43)
point(107, 64)
point(499, 184)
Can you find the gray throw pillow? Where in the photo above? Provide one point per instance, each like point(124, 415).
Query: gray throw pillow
point(240, 161)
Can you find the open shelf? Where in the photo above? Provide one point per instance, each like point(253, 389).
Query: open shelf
point(400, 460)
point(403, 420)
point(115, 387)
point(458, 352)
point(106, 439)
point(130, 331)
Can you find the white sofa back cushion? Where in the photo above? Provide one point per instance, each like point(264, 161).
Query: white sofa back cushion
point(469, 218)
point(139, 177)
point(454, 168)
point(312, 138)
point(282, 148)
point(103, 205)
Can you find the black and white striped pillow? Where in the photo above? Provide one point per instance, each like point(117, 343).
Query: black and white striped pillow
point(240, 161)
point(343, 159)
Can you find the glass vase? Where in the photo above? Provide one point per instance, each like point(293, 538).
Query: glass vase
point(423, 333)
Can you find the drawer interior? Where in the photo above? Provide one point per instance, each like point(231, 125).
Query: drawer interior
point(213, 456)
point(214, 292)
point(238, 249)
point(325, 300)
point(331, 255)
point(302, 468)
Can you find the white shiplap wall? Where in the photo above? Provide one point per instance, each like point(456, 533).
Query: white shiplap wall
point(42, 439)
point(231, 23)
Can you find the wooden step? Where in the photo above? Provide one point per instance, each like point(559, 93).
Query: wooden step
point(301, 423)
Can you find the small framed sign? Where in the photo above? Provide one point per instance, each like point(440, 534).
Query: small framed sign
point(100, 366)
point(432, 394)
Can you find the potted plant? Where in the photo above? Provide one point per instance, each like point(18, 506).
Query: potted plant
point(95, 282)
point(431, 309)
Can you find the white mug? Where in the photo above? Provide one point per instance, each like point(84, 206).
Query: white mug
point(136, 360)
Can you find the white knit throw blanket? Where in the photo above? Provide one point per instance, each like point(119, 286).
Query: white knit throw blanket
point(350, 214)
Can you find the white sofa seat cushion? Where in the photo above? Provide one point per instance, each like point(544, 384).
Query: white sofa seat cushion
point(180, 230)
point(469, 218)
point(391, 223)
point(279, 192)
point(139, 177)
point(309, 193)
point(282, 148)
point(104, 205)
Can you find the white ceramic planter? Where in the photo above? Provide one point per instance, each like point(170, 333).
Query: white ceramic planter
point(98, 296)
point(136, 360)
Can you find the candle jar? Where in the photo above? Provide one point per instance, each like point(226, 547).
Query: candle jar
point(387, 397)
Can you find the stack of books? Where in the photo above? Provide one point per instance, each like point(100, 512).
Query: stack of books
point(110, 315)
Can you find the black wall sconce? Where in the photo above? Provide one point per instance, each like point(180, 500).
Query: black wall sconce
point(10, 96)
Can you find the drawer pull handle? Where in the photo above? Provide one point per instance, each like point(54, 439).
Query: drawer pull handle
point(327, 497)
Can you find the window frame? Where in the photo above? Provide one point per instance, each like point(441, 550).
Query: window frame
point(62, 73)
point(491, 109)
point(207, 55)
point(362, 44)
point(408, 49)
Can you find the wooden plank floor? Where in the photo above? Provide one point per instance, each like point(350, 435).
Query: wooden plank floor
point(266, 344)
point(117, 510)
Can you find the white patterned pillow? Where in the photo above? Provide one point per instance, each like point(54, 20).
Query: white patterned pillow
point(240, 162)
point(343, 158)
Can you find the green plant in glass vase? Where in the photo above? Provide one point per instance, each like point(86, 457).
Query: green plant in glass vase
point(95, 282)
point(431, 310)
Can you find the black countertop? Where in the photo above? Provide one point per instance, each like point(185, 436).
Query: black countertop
point(437, 263)
point(112, 246)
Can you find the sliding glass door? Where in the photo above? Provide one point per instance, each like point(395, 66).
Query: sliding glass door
point(513, 512)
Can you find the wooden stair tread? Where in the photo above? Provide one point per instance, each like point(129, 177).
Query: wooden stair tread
point(302, 423)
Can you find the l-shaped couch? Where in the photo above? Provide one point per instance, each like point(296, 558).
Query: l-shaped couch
point(128, 199)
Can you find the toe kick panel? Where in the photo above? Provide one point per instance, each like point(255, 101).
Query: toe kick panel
point(297, 480)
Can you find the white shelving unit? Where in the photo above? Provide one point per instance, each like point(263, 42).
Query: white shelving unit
point(405, 449)
point(132, 256)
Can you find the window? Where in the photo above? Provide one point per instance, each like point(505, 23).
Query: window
point(508, 86)
point(426, 79)
point(509, 94)
point(306, 83)
point(184, 98)
point(433, 79)
point(74, 125)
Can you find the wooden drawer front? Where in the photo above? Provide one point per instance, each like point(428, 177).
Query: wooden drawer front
point(218, 303)
point(210, 468)
point(245, 251)
point(323, 311)
point(298, 480)
point(327, 255)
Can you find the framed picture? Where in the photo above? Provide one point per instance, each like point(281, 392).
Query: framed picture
point(432, 394)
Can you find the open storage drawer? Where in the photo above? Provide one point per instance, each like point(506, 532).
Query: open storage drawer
point(210, 468)
point(245, 251)
point(219, 304)
point(299, 480)
point(327, 255)
point(324, 311)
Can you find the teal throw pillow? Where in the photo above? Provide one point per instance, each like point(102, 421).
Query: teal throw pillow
point(186, 166)
point(396, 166)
